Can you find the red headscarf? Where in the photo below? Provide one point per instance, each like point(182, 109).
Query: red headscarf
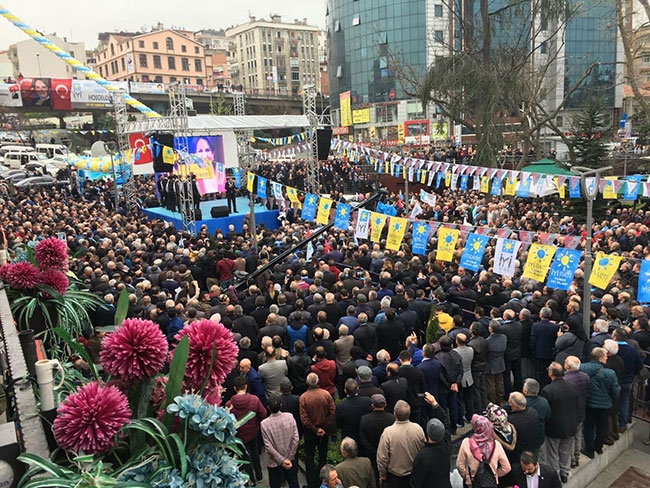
point(481, 442)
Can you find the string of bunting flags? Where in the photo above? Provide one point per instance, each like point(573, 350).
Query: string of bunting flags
point(492, 181)
point(545, 262)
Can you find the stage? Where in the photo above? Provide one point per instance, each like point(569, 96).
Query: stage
point(262, 216)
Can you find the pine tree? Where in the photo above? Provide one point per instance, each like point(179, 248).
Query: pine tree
point(589, 135)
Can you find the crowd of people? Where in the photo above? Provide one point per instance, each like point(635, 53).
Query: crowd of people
point(391, 353)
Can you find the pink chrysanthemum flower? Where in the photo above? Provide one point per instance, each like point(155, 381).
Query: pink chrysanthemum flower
point(135, 351)
point(23, 275)
point(88, 419)
point(3, 271)
point(203, 335)
point(56, 279)
point(52, 253)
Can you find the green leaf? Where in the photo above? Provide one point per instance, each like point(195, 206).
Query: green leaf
point(76, 347)
point(182, 455)
point(49, 482)
point(122, 308)
point(244, 419)
point(175, 378)
point(43, 464)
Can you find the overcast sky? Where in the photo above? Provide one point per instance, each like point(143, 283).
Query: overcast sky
point(82, 21)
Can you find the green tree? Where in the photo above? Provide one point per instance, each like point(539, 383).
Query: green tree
point(589, 135)
point(219, 105)
point(105, 122)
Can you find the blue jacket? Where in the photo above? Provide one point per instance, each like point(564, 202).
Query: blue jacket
point(432, 369)
point(542, 339)
point(295, 335)
point(603, 385)
point(631, 359)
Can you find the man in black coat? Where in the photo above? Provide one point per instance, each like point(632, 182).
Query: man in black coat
point(395, 387)
point(371, 427)
point(512, 329)
point(390, 334)
point(529, 467)
point(431, 466)
point(562, 397)
point(479, 363)
point(416, 386)
point(542, 341)
point(349, 411)
point(530, 434)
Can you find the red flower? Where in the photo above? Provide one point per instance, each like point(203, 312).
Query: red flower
point(203, 336)
point(3, 271)
point(88, 419)
point(52, 253)
point(23, 275)
point(135, 351)
point(56, 279)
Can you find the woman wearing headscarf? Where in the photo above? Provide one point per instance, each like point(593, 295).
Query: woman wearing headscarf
point(479, 447)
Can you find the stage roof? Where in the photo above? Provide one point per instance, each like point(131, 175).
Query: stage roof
point(206, 124)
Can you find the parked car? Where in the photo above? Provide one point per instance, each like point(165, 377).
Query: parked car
point(36, 181)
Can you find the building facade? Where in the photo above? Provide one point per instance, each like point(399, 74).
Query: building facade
point(377, 48)
point(30, 59)
point(272, 57)
point(161, 56)
point(219, 48)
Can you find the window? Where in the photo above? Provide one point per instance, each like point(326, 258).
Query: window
point(101, 73)
point(158, 79)
point(169, 44)
point(157, 64)
point(383, 38)
point(543, 49)
point(437, 10)
point(414, 110)
point(140, 43)
point(199, 81)
point(337, 26)
point(145, 78)
point(198, 51)
point(439, 36)
point(198, 65)
point(183, 48)
point(386, 114)
point(645, 59)
point(171, 62)
point(339, 71)
point(123, 64)
point(112, 50)
point(172, 79)
point(155, 45)
point(295, 76)
point(143, 60)
point(185, 64)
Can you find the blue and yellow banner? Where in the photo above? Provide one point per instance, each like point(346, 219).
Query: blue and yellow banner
point(420, 237)
point(309, 207)
point(605, 266)
point(643, 295)
point(261, 187)
point(292, 194)
point(564, 266)
point(396, 231)
point(539, 261)
point(250, 182)
point(473, 252)
point(447, 239)
point(342, 217)
point(237, 174)
point(377, 222)
point(324, 207)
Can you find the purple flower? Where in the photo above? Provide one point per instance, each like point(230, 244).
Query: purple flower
point(135, 351)
point(88, 419)
point(56, 279)
point(52, 253)
point(23, 275)
point(203, 336)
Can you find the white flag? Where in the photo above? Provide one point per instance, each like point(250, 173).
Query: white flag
point(363, 224)
point(277, 190)
point(428, 198)
point(415, 211)
point(505, 256)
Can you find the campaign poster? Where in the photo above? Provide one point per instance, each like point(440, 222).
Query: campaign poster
point(208, 163)
point(147, 87)
point(36, 92)
point(89, 94)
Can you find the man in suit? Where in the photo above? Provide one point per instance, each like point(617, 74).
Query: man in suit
point(531, 473)
point(561, 428)
point(542, 341)
point(231, 195)
point(349, 411)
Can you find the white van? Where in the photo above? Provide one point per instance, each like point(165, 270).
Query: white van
point(51, 150)
point(7, 148)
point(16, 160)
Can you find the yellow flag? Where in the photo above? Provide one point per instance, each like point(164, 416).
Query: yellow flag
point(168, 155)
point(386, 166)
point(324, 207)
point(292, 194)
point(447, 179)
point(395, 233)
point(250, 182)
point(605, 265)
point(423, 176)
point(539, 261)
point(447, 239)
point(609, 192)
point(511, 187)
point(485, 184)
point(377, 222)
point(561, 189)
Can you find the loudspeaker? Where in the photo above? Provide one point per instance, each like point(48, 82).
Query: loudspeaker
point(324, 137)
point(220, 211)
point(198, 214)
point(160, 140)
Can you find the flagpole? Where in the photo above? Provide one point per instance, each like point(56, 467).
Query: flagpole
point(590, 197)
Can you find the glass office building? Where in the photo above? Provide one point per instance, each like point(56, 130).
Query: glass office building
point(361, 35)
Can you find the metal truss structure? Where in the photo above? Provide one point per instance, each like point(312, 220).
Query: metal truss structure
point(121, 118)
point(312, 180)
point(178, 113)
